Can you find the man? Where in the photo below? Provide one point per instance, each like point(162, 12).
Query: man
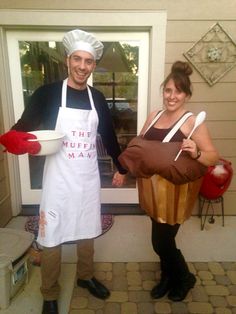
point(70, 203)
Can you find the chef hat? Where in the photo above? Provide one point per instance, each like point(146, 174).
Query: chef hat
point(80, 40)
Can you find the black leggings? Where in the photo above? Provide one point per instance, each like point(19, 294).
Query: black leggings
point(163, 239)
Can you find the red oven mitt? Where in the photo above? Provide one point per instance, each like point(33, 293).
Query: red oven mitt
point(17, 143)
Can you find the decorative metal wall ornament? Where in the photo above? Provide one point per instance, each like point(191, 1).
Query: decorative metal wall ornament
point(213, 55)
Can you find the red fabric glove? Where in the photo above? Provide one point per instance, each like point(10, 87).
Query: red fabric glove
point(17, 143)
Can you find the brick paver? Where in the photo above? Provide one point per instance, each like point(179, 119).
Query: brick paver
point(130, 285)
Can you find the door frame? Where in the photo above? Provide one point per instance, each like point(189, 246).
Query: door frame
point(108, 195)
point(153, 22)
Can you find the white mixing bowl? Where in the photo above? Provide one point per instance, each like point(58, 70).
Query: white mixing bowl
point(50, 141)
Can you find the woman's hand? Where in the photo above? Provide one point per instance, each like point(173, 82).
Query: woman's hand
point(191, 148)
point(118, 179)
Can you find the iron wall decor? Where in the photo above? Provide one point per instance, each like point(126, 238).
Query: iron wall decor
point(213, 55)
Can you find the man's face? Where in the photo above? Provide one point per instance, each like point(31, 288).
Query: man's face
point(80, 64)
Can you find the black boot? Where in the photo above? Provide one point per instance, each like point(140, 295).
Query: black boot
point(50, 307)
point(183, 280)
point(164, 285)
point(161, 288)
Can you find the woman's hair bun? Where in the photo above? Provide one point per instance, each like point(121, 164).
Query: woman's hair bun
point(183, 67)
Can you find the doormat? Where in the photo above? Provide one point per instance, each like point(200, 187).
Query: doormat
point(32, 224)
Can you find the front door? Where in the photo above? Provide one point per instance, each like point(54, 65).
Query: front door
point(38, 58)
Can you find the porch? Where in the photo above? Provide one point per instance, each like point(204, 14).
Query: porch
point(126, 263)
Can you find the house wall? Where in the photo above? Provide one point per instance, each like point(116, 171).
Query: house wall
point(187, 22)
point(5, 197)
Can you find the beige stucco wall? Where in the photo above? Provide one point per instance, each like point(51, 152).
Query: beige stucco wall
point(187, 22)
point(179, 10)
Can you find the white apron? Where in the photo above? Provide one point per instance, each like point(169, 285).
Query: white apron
point(70, 203)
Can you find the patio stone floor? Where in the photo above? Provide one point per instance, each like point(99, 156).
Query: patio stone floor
point(130, 285)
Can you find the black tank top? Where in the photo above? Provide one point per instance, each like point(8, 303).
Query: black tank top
point(159, 134)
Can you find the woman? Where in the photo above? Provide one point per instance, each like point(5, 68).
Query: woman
point(173, 203)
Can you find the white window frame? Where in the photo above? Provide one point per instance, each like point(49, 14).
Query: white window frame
point(152, 22)
point(108, 195)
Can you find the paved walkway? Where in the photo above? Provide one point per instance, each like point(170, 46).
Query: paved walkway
point(130, 285)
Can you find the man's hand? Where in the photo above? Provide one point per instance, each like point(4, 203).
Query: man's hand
point(118, 179)
point(17, 143)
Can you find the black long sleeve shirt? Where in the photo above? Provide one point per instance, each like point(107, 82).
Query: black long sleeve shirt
point(43, 107)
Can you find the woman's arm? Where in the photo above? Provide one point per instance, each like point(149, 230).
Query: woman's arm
point(201, 147)
point(148, 122)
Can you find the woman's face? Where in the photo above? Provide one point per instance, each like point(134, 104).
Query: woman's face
point(173, 98)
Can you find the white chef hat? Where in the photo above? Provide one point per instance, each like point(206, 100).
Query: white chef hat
point(80, 40)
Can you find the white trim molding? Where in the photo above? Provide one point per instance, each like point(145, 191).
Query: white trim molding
point(63, 20)
point(153, 21)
